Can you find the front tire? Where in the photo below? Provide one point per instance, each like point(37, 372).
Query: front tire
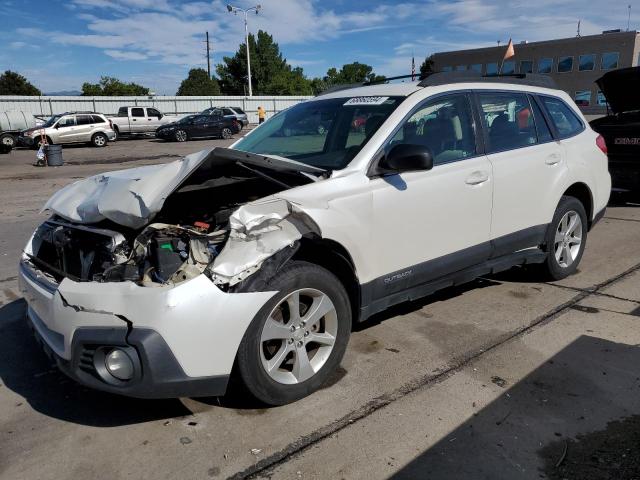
point(566, 239)
point(99, 140)
point(298, 338)
point(181, 136)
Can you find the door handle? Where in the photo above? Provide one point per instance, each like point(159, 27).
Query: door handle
point(477, 177)
point(552, 159)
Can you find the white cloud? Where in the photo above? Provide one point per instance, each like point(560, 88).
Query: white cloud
point(124, 55)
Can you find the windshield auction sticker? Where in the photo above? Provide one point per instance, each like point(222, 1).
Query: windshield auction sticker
point(366, 101)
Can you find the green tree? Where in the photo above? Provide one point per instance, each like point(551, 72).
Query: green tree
point(351, 73)
point(111, 87)
point(427, 67)
point(270, 72)
point(198, 83)
point(12, 83)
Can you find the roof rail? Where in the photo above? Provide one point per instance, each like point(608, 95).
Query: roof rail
point(443, 78)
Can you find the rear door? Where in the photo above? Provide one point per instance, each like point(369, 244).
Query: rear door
point(84, 128)
point(529, 167)
point(138, 120)
point(153, 119)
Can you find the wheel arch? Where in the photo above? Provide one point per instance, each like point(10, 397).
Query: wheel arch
point(334, 257)
point(583, 193)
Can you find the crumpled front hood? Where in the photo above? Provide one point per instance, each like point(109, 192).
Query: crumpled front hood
point(133, 197)
point(128, 197)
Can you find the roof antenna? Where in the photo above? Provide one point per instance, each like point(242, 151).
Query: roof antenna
point(628, 17)
point(578, 35)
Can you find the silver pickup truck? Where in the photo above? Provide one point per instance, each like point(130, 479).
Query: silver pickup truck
point(139, 120)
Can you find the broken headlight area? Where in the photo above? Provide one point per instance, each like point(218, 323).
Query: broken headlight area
point(161, 253)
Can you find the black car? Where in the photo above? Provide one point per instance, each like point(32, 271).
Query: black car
point(621, 127)
point(198, 126)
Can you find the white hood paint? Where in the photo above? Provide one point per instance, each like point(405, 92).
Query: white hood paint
point(128, 197)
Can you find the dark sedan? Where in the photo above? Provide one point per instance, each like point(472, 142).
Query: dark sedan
point(198, 126)
point(621, 127)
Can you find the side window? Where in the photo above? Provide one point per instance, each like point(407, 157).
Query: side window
point(137, 112)
point(543, 130)
point(123, 112)
point(444, 125)
point(508, 119)
point(563, 117)
point(98, 119)
point(226, 111)
point(202, 119)
point(152, 112)
point(67, 121)
point(84, 120)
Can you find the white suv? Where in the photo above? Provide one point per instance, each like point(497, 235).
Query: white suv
point(162, 281)
point(71, 127)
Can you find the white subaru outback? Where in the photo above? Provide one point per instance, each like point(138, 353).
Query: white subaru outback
point(254, 262)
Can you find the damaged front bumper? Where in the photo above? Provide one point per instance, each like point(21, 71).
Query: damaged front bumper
point(181, 338)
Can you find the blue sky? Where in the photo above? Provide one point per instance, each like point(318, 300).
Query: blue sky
point(59, 45)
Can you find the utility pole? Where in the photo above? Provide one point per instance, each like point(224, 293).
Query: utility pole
point(208, 57)
point(628, 17)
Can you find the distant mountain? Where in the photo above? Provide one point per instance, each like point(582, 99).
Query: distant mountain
point(64, 93)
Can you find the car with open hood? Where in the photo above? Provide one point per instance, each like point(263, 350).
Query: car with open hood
point(621, 126)
point(257, 260)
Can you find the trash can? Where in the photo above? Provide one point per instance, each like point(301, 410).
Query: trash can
point(54, 155)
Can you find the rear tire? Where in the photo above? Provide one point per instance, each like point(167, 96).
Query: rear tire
point(566, 239)
point(226, 133)
point(285, 356)
point(99, 140)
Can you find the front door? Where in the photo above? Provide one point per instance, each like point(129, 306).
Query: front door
point(66, 130)
point(428, 224)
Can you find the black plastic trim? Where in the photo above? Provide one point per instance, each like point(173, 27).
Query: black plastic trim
point(453, 269)
point(597, 217)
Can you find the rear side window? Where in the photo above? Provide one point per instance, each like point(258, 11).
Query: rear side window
point(84, 119)
point(543, 130)
point(123, 112)
point(137, 112)
point(98, 119)
point(508, 119)
point(227, 111)
point(239, 110)
point(563, 117)
point(444, 125)
point(152, 112)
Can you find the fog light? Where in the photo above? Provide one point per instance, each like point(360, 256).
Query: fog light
point(119, 364)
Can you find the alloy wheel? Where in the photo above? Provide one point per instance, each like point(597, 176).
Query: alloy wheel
point(226, 133)
point(99, 141)
point(181, 136)
point(298, 336)
point(568, 239)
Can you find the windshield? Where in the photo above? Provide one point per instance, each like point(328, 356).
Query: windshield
point(51, 121)
point(321, 133)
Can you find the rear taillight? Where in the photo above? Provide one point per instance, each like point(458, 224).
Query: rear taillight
point(602, 145)
point(110, 124)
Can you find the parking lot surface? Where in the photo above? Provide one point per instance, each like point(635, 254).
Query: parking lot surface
point(500, 378)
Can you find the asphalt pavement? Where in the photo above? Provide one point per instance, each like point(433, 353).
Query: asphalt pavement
point(502, 378)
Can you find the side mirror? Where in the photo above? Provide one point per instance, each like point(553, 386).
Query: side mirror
point(407, 158)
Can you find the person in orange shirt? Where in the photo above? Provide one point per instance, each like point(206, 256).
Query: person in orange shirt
point(261, 114)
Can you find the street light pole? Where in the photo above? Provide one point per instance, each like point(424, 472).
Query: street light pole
point(235, 10)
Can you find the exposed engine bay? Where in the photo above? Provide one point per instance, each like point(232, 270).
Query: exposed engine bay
point(208, 224)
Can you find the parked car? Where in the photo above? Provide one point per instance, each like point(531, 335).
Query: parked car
point(199, 126)
point(70, 127)
point(140, 120)
point(621, 127)
point(256, 260)
point(229, 112)
point(12, 122)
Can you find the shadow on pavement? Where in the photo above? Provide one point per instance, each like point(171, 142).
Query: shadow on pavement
point(528, 430)
point(26, 370)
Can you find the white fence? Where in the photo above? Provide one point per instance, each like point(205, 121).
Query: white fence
point(47, 106)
